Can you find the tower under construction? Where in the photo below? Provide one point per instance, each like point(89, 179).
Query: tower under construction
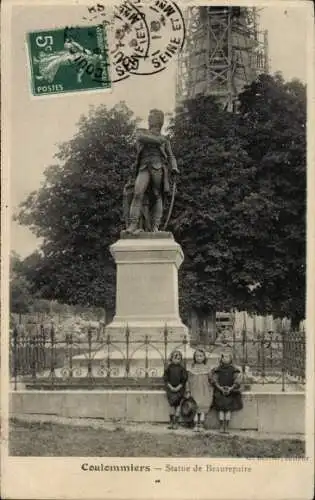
point(224, 50)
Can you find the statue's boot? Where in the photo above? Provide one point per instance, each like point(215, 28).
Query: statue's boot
point(132, 229)
point(156, 224)
point(156, 221)
point(133, 226)
point(135, 213)
point(157, 216)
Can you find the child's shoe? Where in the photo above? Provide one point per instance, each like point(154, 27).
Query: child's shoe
point(171, 425)
point(176, 419)
point(226, 427)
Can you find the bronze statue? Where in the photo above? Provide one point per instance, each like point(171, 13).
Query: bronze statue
point(153, 164)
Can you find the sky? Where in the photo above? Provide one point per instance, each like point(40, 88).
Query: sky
point(39, 124)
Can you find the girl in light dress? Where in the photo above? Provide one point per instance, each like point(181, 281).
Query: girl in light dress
point(48, 64)
point(199, 386)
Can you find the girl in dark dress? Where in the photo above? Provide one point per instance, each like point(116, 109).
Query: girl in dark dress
point(175, 378)
point(227, 395)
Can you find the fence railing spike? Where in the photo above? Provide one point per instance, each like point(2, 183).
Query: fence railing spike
point(270, 357)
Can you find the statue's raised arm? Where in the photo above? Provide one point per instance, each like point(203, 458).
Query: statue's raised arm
point(145, 136)
point(170, 156)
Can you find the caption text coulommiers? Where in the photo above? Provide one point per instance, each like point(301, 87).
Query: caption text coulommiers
point(87, 467)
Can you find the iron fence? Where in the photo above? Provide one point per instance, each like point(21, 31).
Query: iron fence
point(96, 359)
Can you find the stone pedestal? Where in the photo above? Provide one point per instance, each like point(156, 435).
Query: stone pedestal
point(147, 287)
point(146, 308)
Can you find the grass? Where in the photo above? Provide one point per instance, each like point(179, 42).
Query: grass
point(57, 440)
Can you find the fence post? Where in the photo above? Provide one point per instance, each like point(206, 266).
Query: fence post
point(302, 355)
point(185, 342)
point(98, 336)
point(146, 367)
point(283, 363)
point(271, 350)
point(52, 353)
point(70, 340)
point(89, 373)
point(127, 350)
point(233, 339)
point(42, 344)
point(165, 344)
point(28, 356)
point(15, 356)
point(23, 354)
point(38, 351)
point(243, 366)
point(263, 374)
point(108, 342)
point(33, 357)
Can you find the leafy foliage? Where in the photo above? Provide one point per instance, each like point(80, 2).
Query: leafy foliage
point(212, 165)
point(272, 128)
point(239, 213)
point(20, 288)
point(77, 211)
point(242, 202)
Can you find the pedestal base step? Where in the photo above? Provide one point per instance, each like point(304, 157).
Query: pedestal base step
point(152, 331)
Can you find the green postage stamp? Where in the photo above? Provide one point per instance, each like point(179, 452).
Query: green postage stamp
point(68, 60)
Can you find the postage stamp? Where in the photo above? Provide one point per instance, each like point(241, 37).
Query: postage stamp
point(68, 60)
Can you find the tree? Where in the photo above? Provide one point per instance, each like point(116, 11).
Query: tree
point(272, 128)
point(216, 174)
point(240, 212)
point(21, 298)
point(78, 212)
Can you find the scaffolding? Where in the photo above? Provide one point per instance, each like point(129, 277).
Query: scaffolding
point(224, 50)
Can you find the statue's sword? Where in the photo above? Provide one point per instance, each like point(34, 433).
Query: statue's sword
point(171, 205)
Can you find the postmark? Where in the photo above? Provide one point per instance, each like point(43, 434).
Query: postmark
point(68, 60)
point(166, 32)
point(144, 37)
point(130, 40)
